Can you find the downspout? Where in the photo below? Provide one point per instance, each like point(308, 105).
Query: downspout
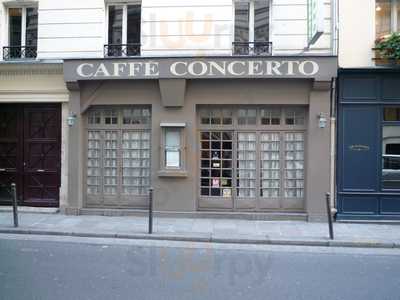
point(332, 188)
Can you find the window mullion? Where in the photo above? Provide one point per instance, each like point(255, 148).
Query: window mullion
point(125, 24)
point(23, 27)
point(251, 21)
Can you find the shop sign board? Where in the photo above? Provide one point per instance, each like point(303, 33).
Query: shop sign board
point(201, 68)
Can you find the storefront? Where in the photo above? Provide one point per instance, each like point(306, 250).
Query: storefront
point(369, 144)
point(217, 134)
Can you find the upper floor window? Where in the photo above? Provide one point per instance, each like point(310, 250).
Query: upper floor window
point(123, 30)
point(387, 17)
point(251, 33)
point(22, 33)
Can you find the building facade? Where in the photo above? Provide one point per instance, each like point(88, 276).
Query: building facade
point(220, 106)
point(368, 105)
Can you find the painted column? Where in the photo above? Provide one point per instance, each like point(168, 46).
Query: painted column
point(74, 149)
point(318, 153)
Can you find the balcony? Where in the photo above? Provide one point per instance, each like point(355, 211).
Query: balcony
point(19, 52)
point(122, 50)
point(252, 48)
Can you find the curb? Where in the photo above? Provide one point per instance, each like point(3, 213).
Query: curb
point(208, 238)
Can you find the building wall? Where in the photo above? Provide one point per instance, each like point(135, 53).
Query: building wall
point(77, 29)
point(356, 33)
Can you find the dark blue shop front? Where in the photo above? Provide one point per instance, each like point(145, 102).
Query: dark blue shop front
point(368, 153)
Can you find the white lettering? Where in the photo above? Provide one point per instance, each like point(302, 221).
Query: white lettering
point(151, 69)
point(135, 68)
point(302, 68)
point(203, 68)
point(255, 68)
point(119, 68)
point(80, 70)
point(215, 66)
point(174, 66)
point(232, 65)
point(101, 71)
point(290, 65)
point(273, 68)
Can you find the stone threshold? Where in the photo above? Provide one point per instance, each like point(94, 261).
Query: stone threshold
point(254, 216)
point(31, 210)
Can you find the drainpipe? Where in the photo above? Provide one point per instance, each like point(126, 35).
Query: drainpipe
point(333, 146)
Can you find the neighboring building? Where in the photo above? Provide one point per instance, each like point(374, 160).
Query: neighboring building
point(368, 114)
point(220, 105)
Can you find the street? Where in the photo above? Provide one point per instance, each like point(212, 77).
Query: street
point(40, 267)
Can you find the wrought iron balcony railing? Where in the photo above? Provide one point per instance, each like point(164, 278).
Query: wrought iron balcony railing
point(19, 52)
point(252, 48)
point(121, 50)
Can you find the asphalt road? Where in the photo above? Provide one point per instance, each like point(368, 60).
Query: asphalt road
point(78, 268)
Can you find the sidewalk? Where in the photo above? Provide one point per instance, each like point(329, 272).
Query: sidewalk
point(206, 230)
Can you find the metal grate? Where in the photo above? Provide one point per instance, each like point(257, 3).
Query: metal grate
point(122, 50)
point(252, 48)
point(19, 52)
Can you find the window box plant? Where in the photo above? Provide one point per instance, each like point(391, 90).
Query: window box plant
point(387, 50)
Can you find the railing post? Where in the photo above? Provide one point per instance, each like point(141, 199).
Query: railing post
point(151, 210)
point(15, 204)
point(329, 212)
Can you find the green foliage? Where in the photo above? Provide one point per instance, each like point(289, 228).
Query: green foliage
point(388, 47)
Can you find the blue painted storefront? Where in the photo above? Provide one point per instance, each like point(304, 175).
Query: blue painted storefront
point(367, 186)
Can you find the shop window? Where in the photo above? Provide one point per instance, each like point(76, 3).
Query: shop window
point(391, 114)
point(118, 156)
point(294, 116)
point(124, 23)
point(391, 157)
point(216, 116)
point(173, 149)
point(22, 33)
point(387, 18)
point(136, 116)
point(251, 33)
point(271, 116)
point(247, 116)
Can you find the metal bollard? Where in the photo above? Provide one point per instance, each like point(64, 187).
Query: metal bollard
point(15, 203)
point(328, 210)
point(151, 210)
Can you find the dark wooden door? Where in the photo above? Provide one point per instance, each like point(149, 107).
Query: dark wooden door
point(11, 156)
point(36, 141)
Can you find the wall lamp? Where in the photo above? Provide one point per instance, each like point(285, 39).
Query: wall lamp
point(71, 119)
point(322, 120)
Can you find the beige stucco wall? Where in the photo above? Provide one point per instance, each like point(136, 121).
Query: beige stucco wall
point(356, 33)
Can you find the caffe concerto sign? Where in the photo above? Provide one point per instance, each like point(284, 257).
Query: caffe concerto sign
point(318, 67)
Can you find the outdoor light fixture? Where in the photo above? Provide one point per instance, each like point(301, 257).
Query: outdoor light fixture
point(322, 120)
point(71, 119)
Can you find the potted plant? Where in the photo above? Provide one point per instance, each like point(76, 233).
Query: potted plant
point(387, 50)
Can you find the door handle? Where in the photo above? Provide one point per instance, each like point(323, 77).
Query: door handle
point(40, 170)
point(2, 170)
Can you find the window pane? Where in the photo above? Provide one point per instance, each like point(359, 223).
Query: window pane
point(383, 17)
point(391, 157)
point(15, 26)
point(172, 148)
point(133, 24)
point(261, 21)
point(115, 24)
point(391, 114)
point(241, 22)
point(31, 26)
point(294, 116)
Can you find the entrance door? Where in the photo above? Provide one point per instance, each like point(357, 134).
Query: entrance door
point(252, 158)
point(30, 153)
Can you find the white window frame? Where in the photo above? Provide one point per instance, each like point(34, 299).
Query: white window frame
point(124, 18)
point(23, 23)
point(251, 18)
